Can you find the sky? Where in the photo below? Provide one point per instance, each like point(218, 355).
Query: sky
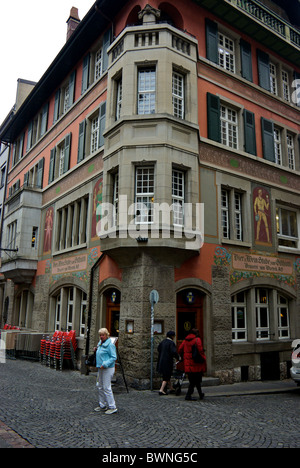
point(32, 32)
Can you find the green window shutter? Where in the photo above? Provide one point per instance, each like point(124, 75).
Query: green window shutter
point(29, 136)
point(85, 73)
point(102, 115)
point(212, 53)
point(249, 132)
point(67, 152)
point(263, 70)
point(268, 139)
point(56, 106)
point(40, 173)
point(213, 118)
point(246, 60)
point(106, 44)
point(72, 88)
point(81, 141)
point(44, 119)
point(52, 165)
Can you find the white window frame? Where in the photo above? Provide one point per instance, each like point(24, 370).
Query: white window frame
point(226, 52)
point(262, 332)
point(119, 98)
point(239, 333)
point(290, 150)
point(144, 194)
point(95, 128)
point(146, 90)
point(178, 191)
point(178, 91)
point(287, 237)
point(283, 330)
point(277, 146)
point(229, 126)
point(225, 214)
point(273, 78)
point(98, 66)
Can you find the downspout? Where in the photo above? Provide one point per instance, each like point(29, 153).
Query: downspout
point(87, 345)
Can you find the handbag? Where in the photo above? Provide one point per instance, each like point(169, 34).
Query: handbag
point(91, 360)
point(197, 357)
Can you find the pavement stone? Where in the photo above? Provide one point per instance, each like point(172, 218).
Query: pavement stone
point(44, 408)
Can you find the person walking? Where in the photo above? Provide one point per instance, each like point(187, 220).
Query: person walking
point(166, 353)
point(106, 355)
point(194, 370)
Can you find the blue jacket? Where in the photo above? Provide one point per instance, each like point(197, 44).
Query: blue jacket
point(106, 354)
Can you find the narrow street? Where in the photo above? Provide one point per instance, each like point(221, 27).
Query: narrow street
point(53, 409)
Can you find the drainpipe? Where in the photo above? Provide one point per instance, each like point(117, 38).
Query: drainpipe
point(87, 345)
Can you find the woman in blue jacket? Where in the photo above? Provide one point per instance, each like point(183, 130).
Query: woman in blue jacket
point(106, 355)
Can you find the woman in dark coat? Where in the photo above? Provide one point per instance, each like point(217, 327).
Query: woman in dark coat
point(193, 369)
point(166, 353)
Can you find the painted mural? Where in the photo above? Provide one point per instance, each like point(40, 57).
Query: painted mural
point(262, 216)
point(48, 229)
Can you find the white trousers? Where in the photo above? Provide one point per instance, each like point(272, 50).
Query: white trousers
point(106, 397)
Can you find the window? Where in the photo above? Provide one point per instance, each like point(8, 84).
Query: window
point(11, 235)
point(286, 94)
point(69, 309)
point(262, 314)
point(287, 229)
point(2, 180)
point(283, 317)
point(225, 214)
point(178, 197)
point(277, 146)
point(60, 159)
point(115, 198)
point(91, 132)
point(178, 95)
point(98, 64)
point(226, 52)
point(273, 78)
point(24, 307)
point(238, 313)
point(95, 63)
point(18, 148)
point(83, 308)
point(229, 127)
point(34, 237)
point(64, 97)
point(119, 99)
point(232, 214)
point(144, 194)
point(146, 91)
point(34, 177)
point(71, 227)
point(290, 151)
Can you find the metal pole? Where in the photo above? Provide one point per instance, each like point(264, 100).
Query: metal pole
point(152, 343)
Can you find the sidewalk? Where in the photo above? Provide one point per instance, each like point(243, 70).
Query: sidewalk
point(249, 388)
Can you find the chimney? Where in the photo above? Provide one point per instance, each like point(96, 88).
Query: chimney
point(72, 22)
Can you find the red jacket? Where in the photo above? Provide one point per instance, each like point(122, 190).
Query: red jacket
point(185, 349)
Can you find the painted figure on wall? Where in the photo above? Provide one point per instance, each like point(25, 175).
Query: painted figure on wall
point(97, 200)
point(48, 230)
point(262, 218)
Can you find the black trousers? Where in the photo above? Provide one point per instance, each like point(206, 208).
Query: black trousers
point(195, 380)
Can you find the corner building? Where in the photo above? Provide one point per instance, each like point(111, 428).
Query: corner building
point(175, 105)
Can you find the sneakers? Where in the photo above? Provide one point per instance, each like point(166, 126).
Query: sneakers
point(111, 411)
point(99, 408)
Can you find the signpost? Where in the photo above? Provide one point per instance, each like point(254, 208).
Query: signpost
point(154, 297)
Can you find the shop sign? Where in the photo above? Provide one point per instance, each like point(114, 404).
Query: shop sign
point(66, 265)
point(262, 264)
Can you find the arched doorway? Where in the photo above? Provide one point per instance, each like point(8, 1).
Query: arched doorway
point(189, 313)
point(112, 297)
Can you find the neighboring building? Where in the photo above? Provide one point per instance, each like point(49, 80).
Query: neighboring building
point(169, 105)
point(24, 87)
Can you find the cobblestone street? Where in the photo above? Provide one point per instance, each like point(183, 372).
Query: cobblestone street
point(49, 408)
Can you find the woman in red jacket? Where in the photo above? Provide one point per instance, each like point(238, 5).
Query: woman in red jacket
point(193, 369)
